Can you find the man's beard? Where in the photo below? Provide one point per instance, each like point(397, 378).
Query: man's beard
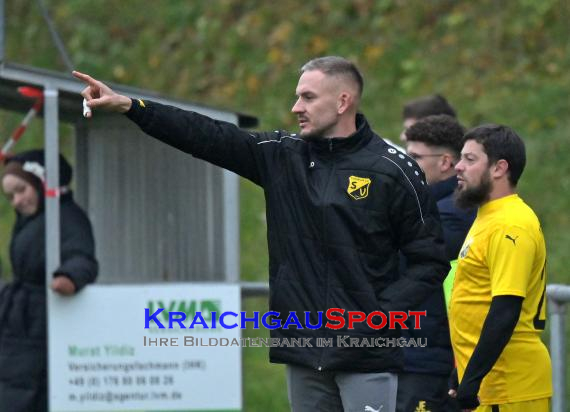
point(319, 132)
point(312, 135)
point(475, 196)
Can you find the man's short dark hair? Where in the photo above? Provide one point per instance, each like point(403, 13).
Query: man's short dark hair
point(427, 106)
point(440, 130)
point(336, 66)
point(501, 142)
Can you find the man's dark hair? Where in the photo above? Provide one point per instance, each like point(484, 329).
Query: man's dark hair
point(336, 66)
point(501, 142)
point(440, 130)
point(427, 106)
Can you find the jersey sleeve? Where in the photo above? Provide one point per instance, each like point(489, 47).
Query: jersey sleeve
point(510, 258)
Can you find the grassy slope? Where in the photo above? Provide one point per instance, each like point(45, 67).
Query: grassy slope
point(495, 62)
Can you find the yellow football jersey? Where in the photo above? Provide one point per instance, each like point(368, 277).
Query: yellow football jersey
point(503, 254)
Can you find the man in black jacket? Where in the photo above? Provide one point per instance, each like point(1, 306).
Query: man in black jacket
point(341, 204)
point(435, 142)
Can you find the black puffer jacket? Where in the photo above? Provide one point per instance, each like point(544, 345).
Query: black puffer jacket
point(338, 211)
point(23, 350)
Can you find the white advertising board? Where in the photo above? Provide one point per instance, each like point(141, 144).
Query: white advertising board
point(102, 358)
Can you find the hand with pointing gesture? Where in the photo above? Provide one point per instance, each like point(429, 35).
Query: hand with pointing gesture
point(100, 96)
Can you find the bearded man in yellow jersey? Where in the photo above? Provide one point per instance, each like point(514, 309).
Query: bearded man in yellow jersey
point(497, 309)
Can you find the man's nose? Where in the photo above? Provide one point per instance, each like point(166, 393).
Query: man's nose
point(297, 107)
point(459, 166)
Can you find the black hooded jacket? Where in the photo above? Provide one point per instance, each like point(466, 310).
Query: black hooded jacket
point(338, 212)
point(27, 247)
point(23, 350)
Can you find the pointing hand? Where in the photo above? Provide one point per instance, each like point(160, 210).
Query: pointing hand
point(100, 96)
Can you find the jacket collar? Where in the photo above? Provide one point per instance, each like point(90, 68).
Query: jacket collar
point(444, 188)
point(337, 145)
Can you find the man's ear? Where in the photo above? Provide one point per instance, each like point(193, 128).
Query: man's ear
point(500, 168)
point(447, 162)
point(344, 102)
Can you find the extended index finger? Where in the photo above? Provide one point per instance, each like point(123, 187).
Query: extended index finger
point(85, 78)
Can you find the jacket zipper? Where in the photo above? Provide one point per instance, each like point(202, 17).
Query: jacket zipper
point(324, 243)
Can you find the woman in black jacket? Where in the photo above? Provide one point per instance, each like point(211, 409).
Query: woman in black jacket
point(23, 342)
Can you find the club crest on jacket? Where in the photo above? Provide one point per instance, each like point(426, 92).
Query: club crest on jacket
point(358, 187)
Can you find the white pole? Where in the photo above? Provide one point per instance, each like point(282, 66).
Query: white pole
point(558, 297)
point(51, 147)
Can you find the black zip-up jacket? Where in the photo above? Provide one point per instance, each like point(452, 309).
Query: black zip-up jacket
point(338, 212)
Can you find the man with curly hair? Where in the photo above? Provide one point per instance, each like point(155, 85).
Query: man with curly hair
point(435, 142)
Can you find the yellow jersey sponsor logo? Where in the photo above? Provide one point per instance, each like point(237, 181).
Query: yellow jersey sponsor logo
point(465, 248)
point(512, 239)
point(141, 103)
point(358, 187)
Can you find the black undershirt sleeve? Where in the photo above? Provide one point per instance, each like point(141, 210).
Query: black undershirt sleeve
point(497, 331)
